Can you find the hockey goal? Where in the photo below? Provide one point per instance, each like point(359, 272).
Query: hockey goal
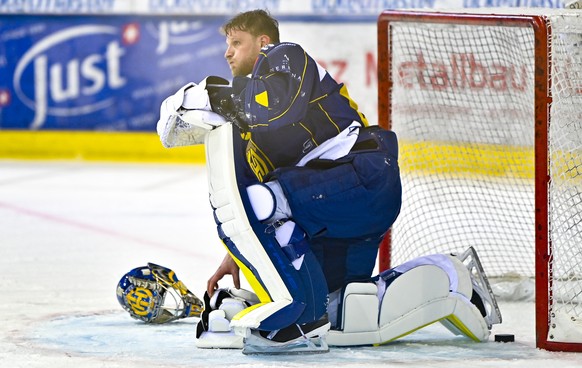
point(488, 110)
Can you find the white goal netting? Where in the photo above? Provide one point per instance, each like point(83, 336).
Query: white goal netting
point(463, 105)
point(565, 186)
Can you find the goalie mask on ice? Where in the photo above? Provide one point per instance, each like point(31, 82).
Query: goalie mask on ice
point(154, 294)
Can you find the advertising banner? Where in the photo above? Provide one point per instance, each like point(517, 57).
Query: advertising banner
point(111, 72)
point(347, 50)
point(100, 73)
point(230, 7)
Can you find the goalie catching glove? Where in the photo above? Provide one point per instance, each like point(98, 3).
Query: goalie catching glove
point(186, 116)
point(153, 294)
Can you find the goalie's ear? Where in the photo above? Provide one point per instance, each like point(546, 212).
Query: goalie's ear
point(264, 40)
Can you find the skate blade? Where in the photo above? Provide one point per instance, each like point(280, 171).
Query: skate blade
point(472, 261)
point(302, 345)
point(311, 343)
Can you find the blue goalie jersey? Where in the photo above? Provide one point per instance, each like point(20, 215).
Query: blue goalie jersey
point(287, 108)
point(292, 105)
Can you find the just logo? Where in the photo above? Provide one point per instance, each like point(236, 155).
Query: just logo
point(180, 33)
point(60, 87)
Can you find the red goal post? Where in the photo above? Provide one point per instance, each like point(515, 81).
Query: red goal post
point(488, 110)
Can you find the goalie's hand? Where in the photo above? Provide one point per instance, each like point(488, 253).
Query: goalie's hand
point(227, 267)
point(229, 102)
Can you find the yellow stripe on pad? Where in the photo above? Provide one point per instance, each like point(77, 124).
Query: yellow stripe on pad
point(256, 285)
point(458, 324)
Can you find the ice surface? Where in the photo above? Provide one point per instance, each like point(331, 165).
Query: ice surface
point(70, 230)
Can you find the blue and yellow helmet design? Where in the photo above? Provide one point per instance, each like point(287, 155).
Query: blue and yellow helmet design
point(153, 294)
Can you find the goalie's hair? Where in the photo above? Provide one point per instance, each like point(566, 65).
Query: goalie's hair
point(256, 22)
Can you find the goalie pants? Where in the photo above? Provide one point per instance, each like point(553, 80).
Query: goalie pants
point(346, 206)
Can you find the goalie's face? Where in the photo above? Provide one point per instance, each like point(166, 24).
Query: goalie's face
point(243, 50)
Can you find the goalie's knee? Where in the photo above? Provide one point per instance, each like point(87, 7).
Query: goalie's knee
point(269, 202)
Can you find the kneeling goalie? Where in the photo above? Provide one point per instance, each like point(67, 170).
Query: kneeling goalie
point(303, 190)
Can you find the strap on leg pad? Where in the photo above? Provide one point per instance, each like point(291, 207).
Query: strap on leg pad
point(293, 242)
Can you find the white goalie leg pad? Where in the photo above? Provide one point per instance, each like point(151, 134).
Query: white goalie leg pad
point(417, 298)
point(459, 279)
point(469, 260)
point(220, 340)
point(449, 304)
point(219, 334)
point(230, 211)
point(464, 285)
point(217, 321)
point(239, 300)
point(360, 308)
point(225, 304)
